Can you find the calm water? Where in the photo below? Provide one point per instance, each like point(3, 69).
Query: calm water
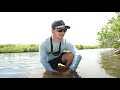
point(27, 65)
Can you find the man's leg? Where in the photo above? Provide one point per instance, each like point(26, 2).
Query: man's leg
point(67, 58)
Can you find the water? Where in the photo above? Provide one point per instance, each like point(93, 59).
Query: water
point(27, 65)
point(90, 66)
point(20, 65)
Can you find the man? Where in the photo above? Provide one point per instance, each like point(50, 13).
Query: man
point(52, 50)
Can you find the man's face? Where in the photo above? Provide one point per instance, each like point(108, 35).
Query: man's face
point(59, 33)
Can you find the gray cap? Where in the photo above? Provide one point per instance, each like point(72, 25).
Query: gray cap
point(59, 24)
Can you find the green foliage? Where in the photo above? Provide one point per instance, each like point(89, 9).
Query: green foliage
point(19, 48)
point(109, 35)
point(79, 47)
point(10, 48)
point(110, 63)
point(86, 47)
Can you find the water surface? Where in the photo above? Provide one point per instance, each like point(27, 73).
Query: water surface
point(27, 65)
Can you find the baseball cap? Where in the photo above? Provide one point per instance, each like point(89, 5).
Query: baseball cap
point(59, 24)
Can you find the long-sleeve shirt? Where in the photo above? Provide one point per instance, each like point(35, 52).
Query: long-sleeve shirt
point(45, 56)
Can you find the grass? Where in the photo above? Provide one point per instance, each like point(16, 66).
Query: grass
point(19, 48)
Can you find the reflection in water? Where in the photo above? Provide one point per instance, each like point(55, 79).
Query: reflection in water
point(18, 65)
point(48, 74)
point(111, 63)
point(27, 65)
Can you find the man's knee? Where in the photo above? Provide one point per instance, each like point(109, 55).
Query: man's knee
point(69, 56)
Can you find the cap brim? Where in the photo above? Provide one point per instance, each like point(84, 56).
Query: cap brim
point(63, 26)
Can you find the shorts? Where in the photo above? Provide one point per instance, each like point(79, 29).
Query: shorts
point(54, 63)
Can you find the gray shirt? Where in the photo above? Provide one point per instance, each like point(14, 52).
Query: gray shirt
point(45, 48)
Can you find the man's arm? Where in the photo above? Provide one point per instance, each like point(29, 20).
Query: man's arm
point(77, 56)
point(43, 58)
point(76, 61)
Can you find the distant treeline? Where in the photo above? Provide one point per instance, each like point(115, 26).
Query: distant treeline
point(86, 47)
point(19, 48)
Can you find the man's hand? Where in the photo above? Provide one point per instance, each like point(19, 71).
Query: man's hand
point(67, 73)
point(53, 72)
point(56, 72)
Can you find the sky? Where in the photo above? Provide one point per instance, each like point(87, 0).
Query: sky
point(33, 27)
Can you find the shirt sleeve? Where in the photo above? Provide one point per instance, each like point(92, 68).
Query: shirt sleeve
point(77, 56)
point(43, 58)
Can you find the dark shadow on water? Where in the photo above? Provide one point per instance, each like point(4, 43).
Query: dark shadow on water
point(110, 62)
point(48, 74)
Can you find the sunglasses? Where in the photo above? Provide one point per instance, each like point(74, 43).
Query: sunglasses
point(60, 30)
